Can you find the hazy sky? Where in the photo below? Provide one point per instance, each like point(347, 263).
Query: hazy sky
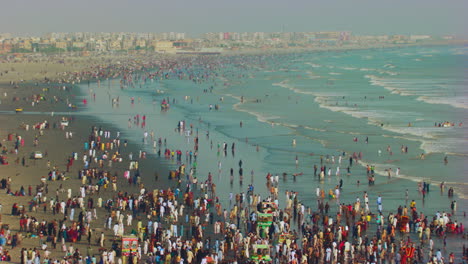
point(197, 16)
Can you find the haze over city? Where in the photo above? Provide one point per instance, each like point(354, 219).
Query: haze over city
point(431, 17)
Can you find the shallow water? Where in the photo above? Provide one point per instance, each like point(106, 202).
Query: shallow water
point(322, 101)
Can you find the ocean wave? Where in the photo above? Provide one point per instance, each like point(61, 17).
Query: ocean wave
point(429, 137)
point(458, 102)
point(372, 116)
point(322, 102)
point(421, 132)
point(313, 65)
point(314, 128)
point(260, 116)
point(349, 68)
point(388, 72)
point(426, 95)
point(285, 84)
point(459, 51)
point(311, 75)
point(431, 141)
point(450, 145)
point(458, 186)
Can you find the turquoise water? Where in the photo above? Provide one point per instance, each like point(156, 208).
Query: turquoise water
point(321, 101)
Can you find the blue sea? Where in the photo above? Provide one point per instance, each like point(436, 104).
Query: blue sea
point(328, 103)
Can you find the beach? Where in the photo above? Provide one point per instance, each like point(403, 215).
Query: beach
point(205, 109)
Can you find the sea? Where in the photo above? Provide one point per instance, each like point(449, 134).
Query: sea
point(303, 109)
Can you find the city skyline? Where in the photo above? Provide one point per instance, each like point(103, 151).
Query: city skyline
point(196, 17)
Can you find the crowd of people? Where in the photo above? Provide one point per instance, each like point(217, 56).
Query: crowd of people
point(187, 223)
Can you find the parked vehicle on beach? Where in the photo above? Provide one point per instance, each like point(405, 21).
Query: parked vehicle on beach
point(260, 253)
point(36, 155)
point(64, 122)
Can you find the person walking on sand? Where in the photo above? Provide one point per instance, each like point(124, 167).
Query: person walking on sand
point(379, 203)
point(102, 239)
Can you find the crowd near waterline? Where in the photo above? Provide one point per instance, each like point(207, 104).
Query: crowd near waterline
point(182, 217)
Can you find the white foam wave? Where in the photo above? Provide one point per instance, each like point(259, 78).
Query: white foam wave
point(422, 132)
point(323, 103)
point(429, 137)
point(387, 72)
point(454, 146)
point(260, 116)
point(285, 84)
point(458, 102)
point(381, 169)
point(315, 129)
point(286, 125)
point(311, 75)
point(424, 94)
point(431, 140)
point(313, 65)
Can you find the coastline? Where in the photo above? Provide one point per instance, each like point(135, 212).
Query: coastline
point(84, 123)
